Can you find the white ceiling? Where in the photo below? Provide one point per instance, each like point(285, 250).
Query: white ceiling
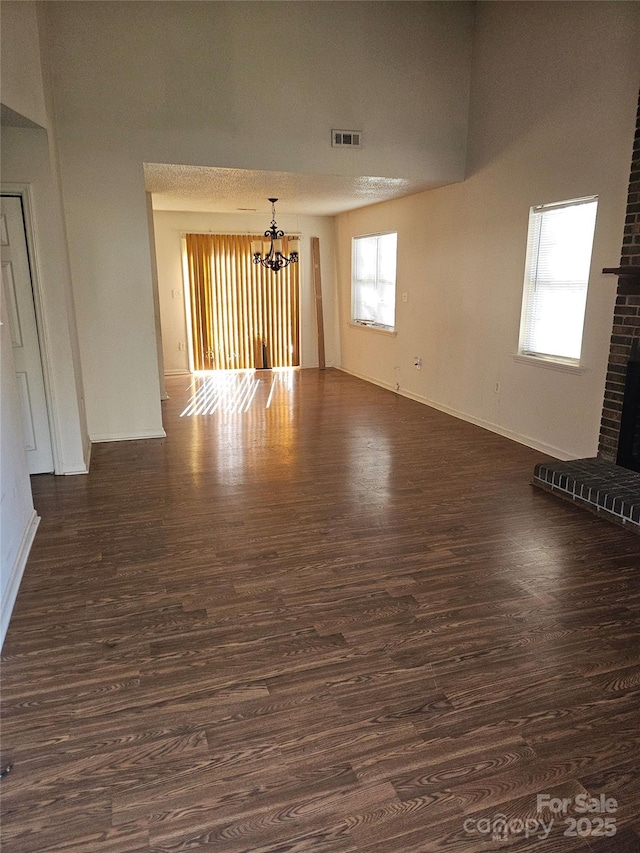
point(214, 190)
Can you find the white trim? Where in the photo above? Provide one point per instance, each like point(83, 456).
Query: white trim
point(179, 371)
point(374, 234)
point(547, 449)
point(557, 205)
point(374, 327)
point(23, 191)
point(186, 292)
point(120, 436)
point(16, 573)
point(87, 454)
point(81, 467)
point(547, 361)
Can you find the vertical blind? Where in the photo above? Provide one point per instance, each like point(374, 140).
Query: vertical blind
point(242, 315)
point(556, 277)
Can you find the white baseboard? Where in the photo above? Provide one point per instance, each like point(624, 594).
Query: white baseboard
point(79, 467)
point(87, 454)
point(120, 436)
point(15, 575)
point(547, 449)
point(73, 470)
point(71, 467)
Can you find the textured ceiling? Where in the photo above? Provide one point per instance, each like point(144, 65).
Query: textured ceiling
point(202, 188)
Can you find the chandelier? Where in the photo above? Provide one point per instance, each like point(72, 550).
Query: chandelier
point(273, 259)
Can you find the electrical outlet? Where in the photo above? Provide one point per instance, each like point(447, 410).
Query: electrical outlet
point(405, 296)
point(182, 345)
point(176, 294)
point(417, 363)
point(496, 388)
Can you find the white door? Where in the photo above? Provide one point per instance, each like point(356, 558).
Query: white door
point(18, 291)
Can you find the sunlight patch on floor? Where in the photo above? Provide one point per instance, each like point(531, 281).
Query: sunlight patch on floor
point(234, 391)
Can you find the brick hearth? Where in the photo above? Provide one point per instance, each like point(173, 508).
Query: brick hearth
point(599, 486)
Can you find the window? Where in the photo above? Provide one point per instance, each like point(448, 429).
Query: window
point(373, 279)
point(556, 276)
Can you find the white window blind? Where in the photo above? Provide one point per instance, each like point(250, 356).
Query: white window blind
point(556, 276)
point(374, 279)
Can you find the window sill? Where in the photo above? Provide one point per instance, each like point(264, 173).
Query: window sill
point(373, 327)
point(551, 363)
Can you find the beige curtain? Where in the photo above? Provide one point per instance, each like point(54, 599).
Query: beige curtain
point(242, 315)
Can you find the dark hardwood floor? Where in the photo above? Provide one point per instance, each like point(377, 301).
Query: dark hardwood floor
point(322, 618)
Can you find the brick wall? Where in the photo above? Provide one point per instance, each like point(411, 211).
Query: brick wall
point(626, 317)
point(631, 239)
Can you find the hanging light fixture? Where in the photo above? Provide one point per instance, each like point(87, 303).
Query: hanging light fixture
point(273, 259)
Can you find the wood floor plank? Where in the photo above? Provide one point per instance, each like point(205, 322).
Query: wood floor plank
point(345, 623)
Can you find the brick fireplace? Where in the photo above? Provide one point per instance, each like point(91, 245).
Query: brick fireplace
point(626, 316)
point(606, 485)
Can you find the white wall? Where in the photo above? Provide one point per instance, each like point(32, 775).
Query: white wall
point(169, 228)
point(554, 97)
point(242, 85)
point(259, 85)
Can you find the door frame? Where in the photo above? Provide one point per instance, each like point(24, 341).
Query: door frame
point(23, 192)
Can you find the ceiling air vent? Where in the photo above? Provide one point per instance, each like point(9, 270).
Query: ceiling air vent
point(346, 138)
